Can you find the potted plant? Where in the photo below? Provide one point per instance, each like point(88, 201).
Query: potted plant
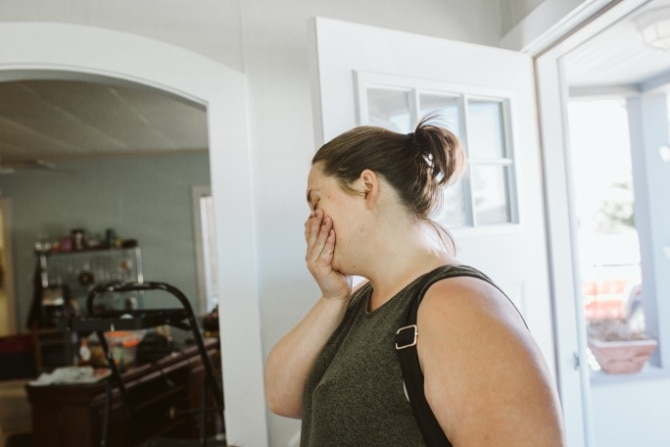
point(618, 346)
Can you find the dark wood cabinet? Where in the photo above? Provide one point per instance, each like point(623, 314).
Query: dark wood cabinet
point(165, 396)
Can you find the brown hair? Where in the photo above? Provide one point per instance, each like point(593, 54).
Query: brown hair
point(417, 165)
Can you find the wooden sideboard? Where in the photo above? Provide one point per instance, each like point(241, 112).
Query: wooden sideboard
point(161, 394)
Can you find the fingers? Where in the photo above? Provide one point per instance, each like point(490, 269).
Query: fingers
point(312, 226)
point(320, 238)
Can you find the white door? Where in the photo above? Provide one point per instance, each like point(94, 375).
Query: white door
point(364, 74)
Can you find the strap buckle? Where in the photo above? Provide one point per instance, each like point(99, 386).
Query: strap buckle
point(406, 336)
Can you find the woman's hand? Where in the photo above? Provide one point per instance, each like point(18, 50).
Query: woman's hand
point(320, 237)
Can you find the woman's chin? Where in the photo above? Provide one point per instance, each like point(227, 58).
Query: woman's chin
point(343, 268)
point(339, 267)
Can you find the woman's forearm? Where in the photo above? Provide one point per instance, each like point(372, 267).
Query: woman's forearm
point(291, 359)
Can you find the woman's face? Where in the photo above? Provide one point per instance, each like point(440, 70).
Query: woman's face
point(346, 211)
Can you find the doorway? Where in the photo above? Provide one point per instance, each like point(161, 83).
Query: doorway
point(113, 160)
point(222, 91)
point(605, 63)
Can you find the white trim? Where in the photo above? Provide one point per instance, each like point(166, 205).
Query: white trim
point(590, 22)
point(550, 21)
point(570, 336)
point(366, 79)
point(74, 51)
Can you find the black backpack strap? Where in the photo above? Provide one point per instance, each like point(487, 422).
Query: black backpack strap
point(405, 344)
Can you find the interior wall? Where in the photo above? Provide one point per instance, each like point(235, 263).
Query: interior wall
point(144, 198)
point(514, 11)
point(533, 25)
point(207, 27)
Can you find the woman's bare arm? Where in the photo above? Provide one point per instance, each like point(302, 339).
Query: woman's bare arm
point(485, 377)
point(291, 359)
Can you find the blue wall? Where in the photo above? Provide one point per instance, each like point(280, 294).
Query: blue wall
point(146, 198)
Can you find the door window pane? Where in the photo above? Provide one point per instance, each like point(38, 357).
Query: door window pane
point(490, 194)
point(446, 107)
point(390, 109)
point(486, 131)
point(453, 214)
point(487, 194)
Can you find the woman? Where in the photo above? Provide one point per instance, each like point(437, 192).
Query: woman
point(371, 192)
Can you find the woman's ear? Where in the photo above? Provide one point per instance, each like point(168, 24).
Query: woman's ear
point(370, 182)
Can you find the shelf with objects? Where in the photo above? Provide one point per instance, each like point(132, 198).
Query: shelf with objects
point(66, 270)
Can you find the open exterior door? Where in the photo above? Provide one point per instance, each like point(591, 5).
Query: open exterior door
point(486, 96)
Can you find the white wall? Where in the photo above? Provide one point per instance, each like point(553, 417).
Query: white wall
point(208, 27)
point(514, 11)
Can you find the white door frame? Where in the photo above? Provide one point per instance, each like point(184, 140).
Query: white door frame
point(65, 51)
point(554, 134)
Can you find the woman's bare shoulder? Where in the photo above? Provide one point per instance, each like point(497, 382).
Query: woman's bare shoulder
point(484, 373)
point(466, 300)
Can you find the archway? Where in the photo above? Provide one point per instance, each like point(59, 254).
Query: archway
point(77, 52)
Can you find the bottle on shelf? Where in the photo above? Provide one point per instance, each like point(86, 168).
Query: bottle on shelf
point(84, 353)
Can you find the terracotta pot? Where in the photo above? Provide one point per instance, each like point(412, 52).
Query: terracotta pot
point(622, 357)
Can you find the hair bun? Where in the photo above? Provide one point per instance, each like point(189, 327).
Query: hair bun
point(440, 148)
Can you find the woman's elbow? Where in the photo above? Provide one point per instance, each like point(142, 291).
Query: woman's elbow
point(282, 406)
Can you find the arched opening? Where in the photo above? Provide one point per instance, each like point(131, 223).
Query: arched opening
point(79, 53)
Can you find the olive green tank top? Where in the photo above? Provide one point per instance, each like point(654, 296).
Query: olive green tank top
point(354, 396)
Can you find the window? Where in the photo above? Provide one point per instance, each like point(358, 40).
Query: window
point(206, 251)
point(486, 195)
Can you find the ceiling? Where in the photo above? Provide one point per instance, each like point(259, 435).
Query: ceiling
point(617, 59)
point(45, 121)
